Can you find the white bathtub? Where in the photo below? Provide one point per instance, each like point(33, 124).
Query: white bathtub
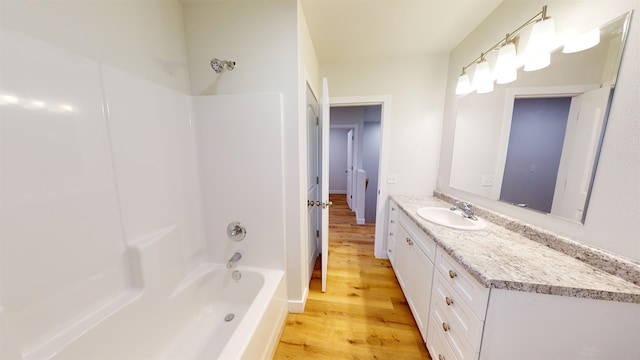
point(258, 304)
point(187, 323)
point(169, 313)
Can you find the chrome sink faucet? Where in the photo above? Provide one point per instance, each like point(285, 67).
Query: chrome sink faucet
point(234, 259)
point(466, 208)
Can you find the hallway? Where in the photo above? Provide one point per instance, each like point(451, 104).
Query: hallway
point(363, 314)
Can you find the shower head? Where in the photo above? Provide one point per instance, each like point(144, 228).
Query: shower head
point(220, 65)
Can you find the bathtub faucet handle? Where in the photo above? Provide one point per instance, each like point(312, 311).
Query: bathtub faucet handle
point(236, 231)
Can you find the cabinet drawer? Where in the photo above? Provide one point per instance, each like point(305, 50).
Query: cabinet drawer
point(436, 343)
point(457, 343)
point(458, 315)
point(467, 288)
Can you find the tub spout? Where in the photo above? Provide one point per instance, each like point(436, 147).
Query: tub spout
point(234, 259)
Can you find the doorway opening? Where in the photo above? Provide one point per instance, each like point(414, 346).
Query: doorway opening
point(372, 138)
point(354, 158)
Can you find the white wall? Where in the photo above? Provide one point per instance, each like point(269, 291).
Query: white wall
point(371, 161)
point(338, 161)
point(612, 218)
point(93, 158)
point(143, 37)
point(415, 84)
point(238, 185)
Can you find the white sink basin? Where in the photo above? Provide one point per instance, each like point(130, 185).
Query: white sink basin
point(452, 219)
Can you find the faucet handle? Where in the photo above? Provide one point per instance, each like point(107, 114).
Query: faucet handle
point(236, 231)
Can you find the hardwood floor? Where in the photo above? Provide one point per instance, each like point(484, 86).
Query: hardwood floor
point(363, 314)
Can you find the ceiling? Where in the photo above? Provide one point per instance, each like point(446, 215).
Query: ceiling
point(359, 29)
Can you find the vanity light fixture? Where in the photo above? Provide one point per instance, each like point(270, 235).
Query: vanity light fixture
point(582, 42)
point(539, 48)
point(482, 79)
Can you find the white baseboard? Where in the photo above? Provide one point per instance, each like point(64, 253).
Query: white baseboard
point(360, 221)
point(297, 306)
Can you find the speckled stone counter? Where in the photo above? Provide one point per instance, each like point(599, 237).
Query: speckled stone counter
point(505, 259)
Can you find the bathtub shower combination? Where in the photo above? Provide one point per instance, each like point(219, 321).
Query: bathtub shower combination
point(215, 312)
point(113, 221)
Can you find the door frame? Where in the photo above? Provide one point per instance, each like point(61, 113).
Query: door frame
point(385, 137)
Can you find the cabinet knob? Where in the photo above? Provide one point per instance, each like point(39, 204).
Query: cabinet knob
point(392, 221)
point(452, 274)
point(445, 327)
point(390, 250)
point(440, 357)
point(393, 209)
point(449, 301)
point(391, 234)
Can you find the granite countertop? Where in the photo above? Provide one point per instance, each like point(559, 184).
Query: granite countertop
point(504, 259)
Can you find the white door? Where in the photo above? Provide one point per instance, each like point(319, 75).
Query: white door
point(350, 169)
point(324, 180)
point(579, 154)
point(313, 176)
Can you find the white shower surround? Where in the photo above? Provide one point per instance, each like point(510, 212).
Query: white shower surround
point(108, 163)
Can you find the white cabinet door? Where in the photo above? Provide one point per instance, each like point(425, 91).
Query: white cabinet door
point(403, 259)
point(420, 289)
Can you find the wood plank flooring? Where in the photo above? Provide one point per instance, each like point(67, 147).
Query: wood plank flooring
point(363, 314)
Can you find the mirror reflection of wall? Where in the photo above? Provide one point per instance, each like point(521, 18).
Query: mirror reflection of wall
point(535, 147)
point(483, 161)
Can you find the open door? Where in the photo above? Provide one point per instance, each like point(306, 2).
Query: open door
point(324, 180)
point(350, 169)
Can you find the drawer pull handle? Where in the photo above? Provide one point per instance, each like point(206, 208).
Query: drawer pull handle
point(449, 301)
point(445, 327)
point(452, 274)
point(440, 357)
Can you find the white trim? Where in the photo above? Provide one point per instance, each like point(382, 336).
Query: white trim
point(385, 138)
point(342, 192)
point(297, 306)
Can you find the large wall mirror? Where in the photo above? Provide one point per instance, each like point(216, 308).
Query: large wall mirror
point(535, 142)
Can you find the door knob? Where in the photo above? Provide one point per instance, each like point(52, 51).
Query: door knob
point(324, 204)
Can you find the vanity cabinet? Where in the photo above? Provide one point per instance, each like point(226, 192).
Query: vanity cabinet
point(541, 304)
point(413, 264)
